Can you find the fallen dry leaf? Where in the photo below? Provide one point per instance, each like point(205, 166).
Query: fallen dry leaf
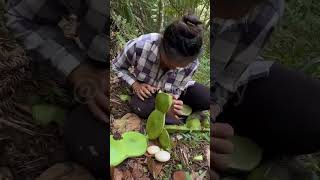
point(66, 171)
point(154, 167)
point(127, 175)
point(117, 174)
point(137, 171)
point(179, 175)
point(129, 122)
point(198, 176)
point(207, 149)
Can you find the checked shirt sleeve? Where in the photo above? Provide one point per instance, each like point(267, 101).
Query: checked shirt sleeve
point(93, 31)
point(124, 61)
point(192, 70)
point(35, 26)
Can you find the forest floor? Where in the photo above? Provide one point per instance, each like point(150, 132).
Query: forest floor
point(186, 146)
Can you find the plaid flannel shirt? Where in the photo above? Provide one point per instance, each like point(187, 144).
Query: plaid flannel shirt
point(236, 47)
point(142, 53)
point(35, 25)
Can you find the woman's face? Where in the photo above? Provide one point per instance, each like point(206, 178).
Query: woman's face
point(172, 64)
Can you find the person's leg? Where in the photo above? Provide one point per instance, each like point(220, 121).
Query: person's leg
point(142, 108)
point(281, 112)
point(197, 97)
point(86, 139)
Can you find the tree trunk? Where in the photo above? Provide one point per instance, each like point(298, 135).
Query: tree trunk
point(160, 15)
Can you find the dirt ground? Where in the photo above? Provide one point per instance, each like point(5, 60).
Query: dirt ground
point(26, 149)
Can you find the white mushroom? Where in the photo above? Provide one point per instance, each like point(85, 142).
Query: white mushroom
point(153, 149)
point(162, 156)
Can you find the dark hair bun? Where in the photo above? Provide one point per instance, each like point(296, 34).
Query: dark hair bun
point(185, 36)
point(189, 26)
point(191, 19)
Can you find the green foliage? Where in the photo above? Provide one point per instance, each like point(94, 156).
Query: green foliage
point(297, 41)
point(131, 19)
point(197, 137)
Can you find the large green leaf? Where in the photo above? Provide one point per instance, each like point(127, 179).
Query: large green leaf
point(44, 114)
point(132, 144)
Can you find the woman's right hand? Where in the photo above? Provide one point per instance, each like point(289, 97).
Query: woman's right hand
point(221, 148)
point(176, 108)
point(143, 90)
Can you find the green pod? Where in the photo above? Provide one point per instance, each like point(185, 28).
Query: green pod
point(193, 124)
point(187, 110)
point(155, 124)
point(163, 102)
point(246, 156)
point(206, 122)
point(165, 140)
point(193, 121)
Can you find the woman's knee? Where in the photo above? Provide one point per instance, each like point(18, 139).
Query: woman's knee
point(142, 108)
point(197, 96)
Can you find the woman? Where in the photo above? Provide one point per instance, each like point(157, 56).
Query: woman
point(166, 62)
point(264, 101)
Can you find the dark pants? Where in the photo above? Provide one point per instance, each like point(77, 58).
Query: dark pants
point(281, 113)
point(87, 141)
point(196, 96)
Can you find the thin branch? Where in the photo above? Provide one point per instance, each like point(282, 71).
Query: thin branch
point(17, 127)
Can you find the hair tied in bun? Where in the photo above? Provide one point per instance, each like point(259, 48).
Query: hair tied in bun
point(183, 37)
point(191, 20)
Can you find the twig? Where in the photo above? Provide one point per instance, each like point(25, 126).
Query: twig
point(23, 108)
point(29, 168)
point(21, 121)
point(17, 127)
point(115, 101)
point(33, 161)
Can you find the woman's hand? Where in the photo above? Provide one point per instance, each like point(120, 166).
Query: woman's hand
point(90, 87)
point(176, 108)
point(221, 148)
point(143, 90)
